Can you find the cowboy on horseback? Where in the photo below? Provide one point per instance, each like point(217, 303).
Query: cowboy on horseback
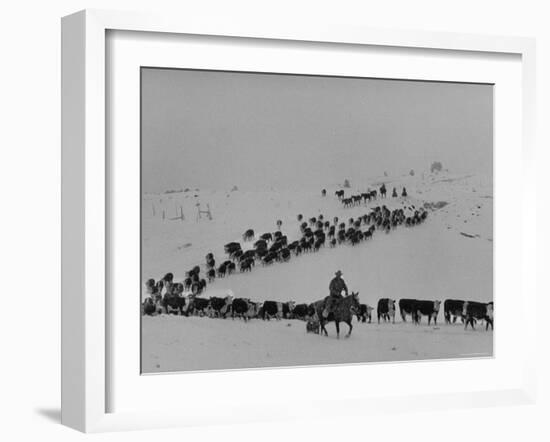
point(336, 286)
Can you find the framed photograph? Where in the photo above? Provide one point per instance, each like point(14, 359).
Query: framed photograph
point(301, 208)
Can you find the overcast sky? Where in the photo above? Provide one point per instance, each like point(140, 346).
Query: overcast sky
point(218, 129)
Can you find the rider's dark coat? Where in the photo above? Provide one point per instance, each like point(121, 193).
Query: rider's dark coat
point(336, 286)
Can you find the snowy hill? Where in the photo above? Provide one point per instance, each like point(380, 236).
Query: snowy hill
point(448, 256)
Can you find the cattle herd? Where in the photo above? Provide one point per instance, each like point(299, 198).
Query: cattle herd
point(367, 197)
point(168, 296)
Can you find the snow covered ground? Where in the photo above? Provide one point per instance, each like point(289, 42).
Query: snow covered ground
point(449, 256)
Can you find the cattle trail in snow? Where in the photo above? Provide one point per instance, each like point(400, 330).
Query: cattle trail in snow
point(429, 262)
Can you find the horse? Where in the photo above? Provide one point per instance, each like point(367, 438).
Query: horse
point(343, 312)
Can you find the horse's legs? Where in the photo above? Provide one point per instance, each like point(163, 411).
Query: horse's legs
point(323, 328)
point(350, 328)
point(337, 329)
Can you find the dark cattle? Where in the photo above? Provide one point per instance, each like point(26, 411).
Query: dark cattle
point(267, 237)
point(236, 254)
point(426, 308)
point(260, 244)
point(197, 306)
point(211, 274)
point(169, 277)
point(474, 311)
point(239, 308)
point(339, 194)
point(246, 265)
point(198, 286)
point(284, 255)
point(272, 309)
point(222, 270)
point(386, 309)
point(232, 246)
point(248, 235)
point(149, 306)
point(187, 283)
point(313, 326)
point(261, 253)
point(407, 307)
point(210, 263)
point(324, 192)
point(300, 311)
point(194, 272)
point(231, 266)
point(269, 258)
point(278, 310)
point(249, 254)
point(452, 309)
point(364, 313)
point(173, 301)
point(220, 307)
point(293, 245)
point(300, 217)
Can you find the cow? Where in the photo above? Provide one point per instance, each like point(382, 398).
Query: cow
point(246, 265)
point(364, 313)
point(248, 235)
point(172, 299)
point(267, 237)
point(211, 274)
point(198, 286)
point(284, 255)
point(149, 306)
point(473, 311)
point(239, 308)
point(426, 308)
point(339, 194)
point(407, 307)
point(452, 309)
point(222, 270)
point(231, 247)
point(220, 307)
point(277, 310)
point(301, 311)
point(313, 325)
point(198, 306)
point(386, 309)
point(253, 310)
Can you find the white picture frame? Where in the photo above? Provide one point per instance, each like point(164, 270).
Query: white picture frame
point(86, 317)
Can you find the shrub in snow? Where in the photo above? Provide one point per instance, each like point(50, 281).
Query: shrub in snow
point(436, 167)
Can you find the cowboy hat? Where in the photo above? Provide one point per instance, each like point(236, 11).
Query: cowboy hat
point(338, 273)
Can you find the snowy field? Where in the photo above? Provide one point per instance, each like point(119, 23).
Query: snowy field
point(448, 256)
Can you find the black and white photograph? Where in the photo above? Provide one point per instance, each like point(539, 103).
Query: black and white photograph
point(300, 220)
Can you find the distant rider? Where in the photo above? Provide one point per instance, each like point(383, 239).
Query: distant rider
point(336, 286)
